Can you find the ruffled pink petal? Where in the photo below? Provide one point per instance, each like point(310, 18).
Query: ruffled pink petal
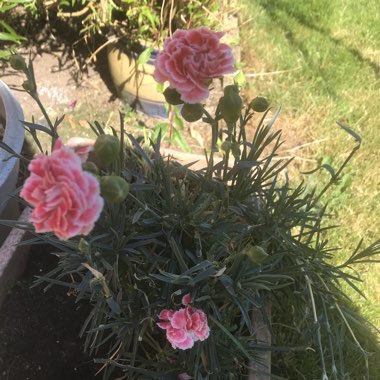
point(184, 376)
point(67, 200)
point(190, 58)
point(179, 319)
point(186, 299)
point(166, 314)
point(179, 338)
point(164, 325)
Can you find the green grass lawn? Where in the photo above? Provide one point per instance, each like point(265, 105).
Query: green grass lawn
point(332, 52)
point(320, 60)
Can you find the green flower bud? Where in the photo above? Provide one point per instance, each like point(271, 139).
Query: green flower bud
point(231, 104)
point(90, 167)
point(231, 89)
point(256, 254)
point(106, 149)
point(84, 246)
point(172, 96)
point(17, 62)
point(235, 149)
point(28, 86)
point(114, 188)
point(259, 104)
point(226, 146)
point(192, 112)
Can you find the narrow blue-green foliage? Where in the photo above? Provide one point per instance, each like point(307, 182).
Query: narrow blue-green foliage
point(181, 231)
point(247, 245)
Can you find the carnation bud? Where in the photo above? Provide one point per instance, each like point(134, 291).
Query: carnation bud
point(192, 112)
point(256, 254)
point(226, 146)
point(235, 149)
point(106, 149)
point(231, 104)
point(17, 62)
point(83, 246)
point(90, 167)
point(259, 104)
point(172, 96)
point(231, 89)
point(114, 188)
point(28, 86)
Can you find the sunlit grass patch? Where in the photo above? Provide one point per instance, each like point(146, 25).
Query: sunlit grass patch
point(320, 61)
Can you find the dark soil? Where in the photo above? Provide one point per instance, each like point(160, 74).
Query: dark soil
point(39, 331)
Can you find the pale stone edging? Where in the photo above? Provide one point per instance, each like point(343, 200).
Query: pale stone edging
point(11, 119)
point(13, 257)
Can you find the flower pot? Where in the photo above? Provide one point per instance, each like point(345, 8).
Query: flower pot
point(13, 256)
point(134, 82)
point(11, 120)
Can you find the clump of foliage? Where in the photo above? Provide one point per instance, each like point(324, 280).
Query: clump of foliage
point(132, 20)
point(7, 33)
point(247, 245)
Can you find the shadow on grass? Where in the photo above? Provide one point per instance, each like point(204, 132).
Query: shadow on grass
point(272, 6)
point(349, 352)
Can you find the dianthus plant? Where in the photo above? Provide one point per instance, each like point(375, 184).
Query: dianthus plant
point(195, 274)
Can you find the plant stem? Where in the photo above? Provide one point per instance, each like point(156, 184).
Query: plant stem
point(214, 137)
point(47, 118)
point(333, 178)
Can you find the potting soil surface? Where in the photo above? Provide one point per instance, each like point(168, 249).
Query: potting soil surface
point(39, 331)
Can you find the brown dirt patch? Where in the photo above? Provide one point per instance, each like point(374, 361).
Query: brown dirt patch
point(39, 331)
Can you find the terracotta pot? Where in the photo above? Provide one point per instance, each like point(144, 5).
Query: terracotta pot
point(11, 119)
point(135, 83)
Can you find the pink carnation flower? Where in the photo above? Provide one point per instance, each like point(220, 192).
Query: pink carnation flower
point(184, 326)
point(82, 146)
point(184, 376)
point(190, 59)
point(66, 199)
point(186, 299)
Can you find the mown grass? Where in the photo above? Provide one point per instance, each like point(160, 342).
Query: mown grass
point(332, 52)
point(320, 60)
